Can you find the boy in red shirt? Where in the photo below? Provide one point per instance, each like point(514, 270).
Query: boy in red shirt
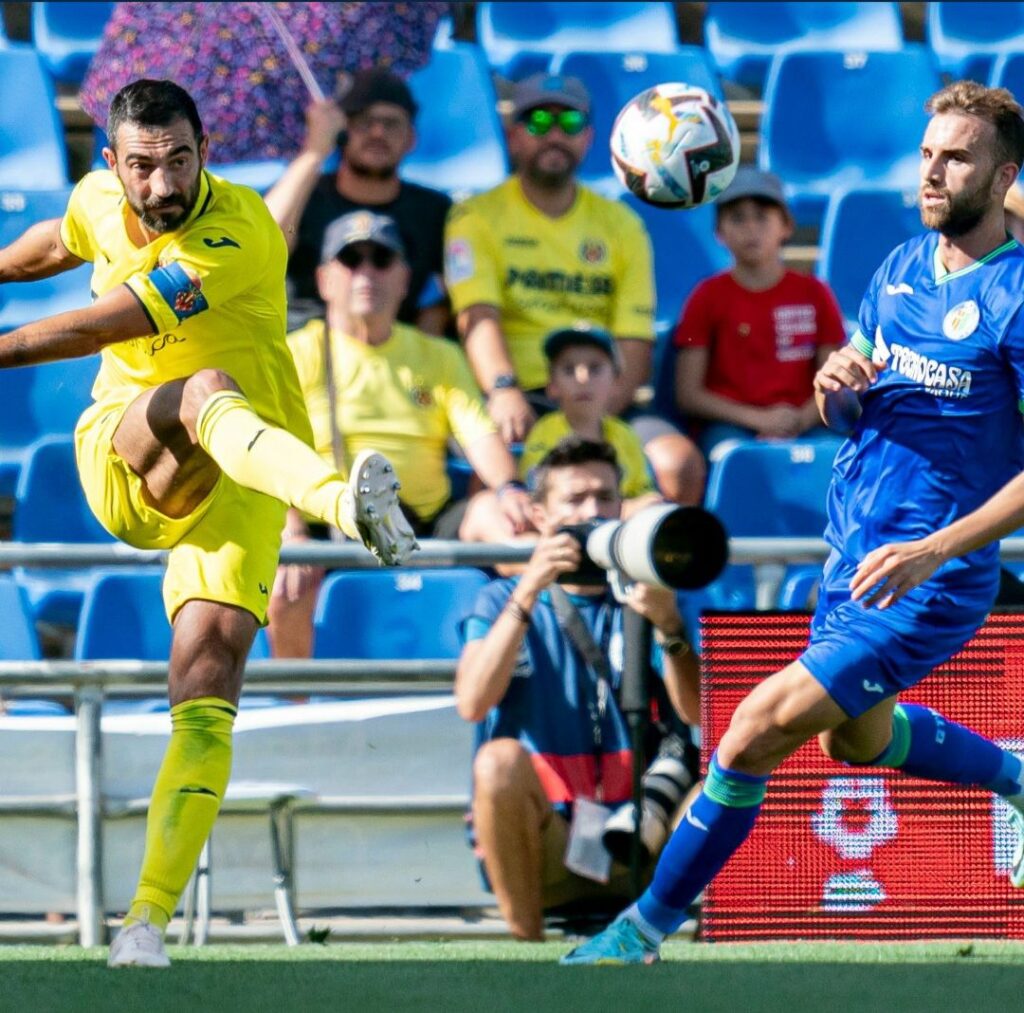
point(751, 338)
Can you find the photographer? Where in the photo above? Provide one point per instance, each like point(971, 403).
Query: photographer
point(553, 761)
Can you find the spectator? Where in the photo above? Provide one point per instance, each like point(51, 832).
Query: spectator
point(551, 737)
point(373, 130)
point(1013, 207)
point(385, 382)
point(752, 338)
point(539, 252)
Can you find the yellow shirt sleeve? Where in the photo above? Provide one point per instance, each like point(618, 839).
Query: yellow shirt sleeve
point(472, 273)
point(203, 268)
point(464, 406)
point(634, 311)
point(75, 229)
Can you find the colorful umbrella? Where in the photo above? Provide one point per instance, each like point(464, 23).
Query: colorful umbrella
point(254, 67)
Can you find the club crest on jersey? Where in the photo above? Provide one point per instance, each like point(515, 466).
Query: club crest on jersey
point(961, 321)
point(593, 251)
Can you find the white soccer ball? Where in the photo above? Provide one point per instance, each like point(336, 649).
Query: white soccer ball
point(675, 145)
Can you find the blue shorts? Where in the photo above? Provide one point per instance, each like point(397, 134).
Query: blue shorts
point(863, 655)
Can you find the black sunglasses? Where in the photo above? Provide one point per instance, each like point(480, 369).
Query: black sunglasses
point(379, 256)
point(539, 122)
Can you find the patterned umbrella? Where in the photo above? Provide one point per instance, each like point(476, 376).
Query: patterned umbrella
point(253, 67)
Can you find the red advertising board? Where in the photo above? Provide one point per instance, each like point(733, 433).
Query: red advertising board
point(859, 853)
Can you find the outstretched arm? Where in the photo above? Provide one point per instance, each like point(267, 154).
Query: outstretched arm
point(39, 252)
point(116, 316)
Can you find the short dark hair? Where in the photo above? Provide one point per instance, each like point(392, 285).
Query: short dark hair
point(995, 105)
point(570, 452)
point(151, 103)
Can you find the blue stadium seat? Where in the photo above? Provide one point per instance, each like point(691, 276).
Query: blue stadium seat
point(32, 152)
point(18, 640)
point(614, 78)
point(744, 37)
point(837, 120)
point(394, 614)
point(1008, 72)
point(67, 36)
point(505, 30)
point(862, 226)
point(37, 401)
point(460, 146)
point(50, 507)
point(967, 37)
point(26, 302)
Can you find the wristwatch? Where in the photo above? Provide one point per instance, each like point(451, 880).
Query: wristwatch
point(504, 381)
point(673, 644)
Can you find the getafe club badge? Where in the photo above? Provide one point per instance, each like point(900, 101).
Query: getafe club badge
point(961, 321)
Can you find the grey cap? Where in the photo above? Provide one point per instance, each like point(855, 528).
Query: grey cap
point(581, 334)
point(549, 89)
point(360, 227)
point(751, 182)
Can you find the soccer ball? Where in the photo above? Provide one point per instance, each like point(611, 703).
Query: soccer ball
point(674, 145)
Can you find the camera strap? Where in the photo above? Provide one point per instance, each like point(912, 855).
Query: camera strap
point(572, 624)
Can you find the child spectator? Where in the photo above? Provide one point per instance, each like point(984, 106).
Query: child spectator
point(751, 338)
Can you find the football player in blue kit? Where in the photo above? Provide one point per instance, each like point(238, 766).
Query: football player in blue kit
point(929, 392)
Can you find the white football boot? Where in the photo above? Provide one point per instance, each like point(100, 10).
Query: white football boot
point(138, 945)
point(371, 507)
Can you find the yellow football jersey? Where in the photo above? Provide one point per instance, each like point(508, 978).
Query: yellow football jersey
point(593, 263)
point(551, 429)
point(404, 398)
point(213, 289)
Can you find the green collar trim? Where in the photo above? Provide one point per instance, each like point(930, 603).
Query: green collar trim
point(942, 275)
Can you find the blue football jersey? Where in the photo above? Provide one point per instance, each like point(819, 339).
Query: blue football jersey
point(941, 430)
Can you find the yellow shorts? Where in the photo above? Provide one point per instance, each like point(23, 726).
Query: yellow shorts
point(226, 550)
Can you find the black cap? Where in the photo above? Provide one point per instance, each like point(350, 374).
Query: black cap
point(549, 90)
point(360, 227)
point(581, 334)
point(377, 85)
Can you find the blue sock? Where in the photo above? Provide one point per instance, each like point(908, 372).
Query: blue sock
point(715, 825)
point(925, 744)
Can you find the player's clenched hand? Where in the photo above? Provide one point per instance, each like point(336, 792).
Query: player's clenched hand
point(553, 556)
point(846, 368)
point(511, 413)
point(887, 573)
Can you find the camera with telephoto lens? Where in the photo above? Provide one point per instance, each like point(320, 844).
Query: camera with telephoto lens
point(683, 548)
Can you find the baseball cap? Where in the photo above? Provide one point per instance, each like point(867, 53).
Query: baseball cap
point(549, 89)
point(377, 85)
point(751, 182)
point(360, 227)
point(580, 334)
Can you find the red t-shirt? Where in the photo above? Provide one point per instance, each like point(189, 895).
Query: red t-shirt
point(762, 346)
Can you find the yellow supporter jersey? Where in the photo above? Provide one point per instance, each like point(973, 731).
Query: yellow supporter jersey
point(213, 290)
point(592, 263)
point(405, 398)
point(550, 429)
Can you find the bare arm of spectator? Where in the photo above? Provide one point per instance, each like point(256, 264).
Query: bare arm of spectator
point(496, 467)
point(39, 252)
point(288, 197)
point(636, 368)
point(487, 351)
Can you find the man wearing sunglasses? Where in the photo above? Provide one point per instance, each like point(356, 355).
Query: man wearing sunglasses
point(369, 380)
point(540, 252)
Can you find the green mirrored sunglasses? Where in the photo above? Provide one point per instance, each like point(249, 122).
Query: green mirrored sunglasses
point(540, 121)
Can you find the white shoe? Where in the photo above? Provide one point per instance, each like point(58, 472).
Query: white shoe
point(371, 506)
point(1016, 821)
point(138, 945)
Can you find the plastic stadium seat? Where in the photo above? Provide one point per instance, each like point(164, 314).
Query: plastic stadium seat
point(861, 229)
point(50, 507)
point(507, 29)
point(460, 146)
point(394, 614)
point(614, 78)
point(1008, 72)
point(967, 37)
point(32, 152)
point(26, 302)
point(67, 36)
point(37, 401)
point(838, 120)
point(18, 640)
point(744, 37)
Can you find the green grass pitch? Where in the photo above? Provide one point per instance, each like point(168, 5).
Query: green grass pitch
point(488, 976)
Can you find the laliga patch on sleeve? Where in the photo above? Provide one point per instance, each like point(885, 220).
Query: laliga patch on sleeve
point(180, 290)
point(458, 261)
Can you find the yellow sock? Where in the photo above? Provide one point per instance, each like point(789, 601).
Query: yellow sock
point(184, 805)
point(270, 460)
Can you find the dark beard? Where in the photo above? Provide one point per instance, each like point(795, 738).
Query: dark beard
point(160, 225)
point(961, 215)
point(550, 180)
point(369, 172)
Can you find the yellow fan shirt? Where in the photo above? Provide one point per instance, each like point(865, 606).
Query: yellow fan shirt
point(213, 290)
point(593, 263)
point(404, 398)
